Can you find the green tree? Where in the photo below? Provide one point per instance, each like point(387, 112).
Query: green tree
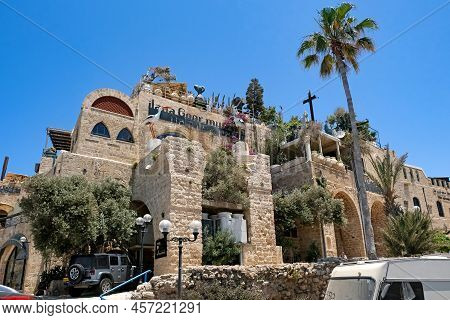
point(116, 219)
point(68, 213)
point(409, 233)
point(269, 116)
point(254, 97)
point(308, 205)
point(220, 249)
point(387, 171)
point(336, 47)
point(224, 179)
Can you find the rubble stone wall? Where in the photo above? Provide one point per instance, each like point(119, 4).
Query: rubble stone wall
point(287, 281)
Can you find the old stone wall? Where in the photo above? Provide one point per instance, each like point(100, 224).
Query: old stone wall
point(261, 248)
point(169, 182)
point(287, 281)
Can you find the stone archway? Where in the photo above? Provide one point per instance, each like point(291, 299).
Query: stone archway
point(379, 221)
point(349, 237)
point(13, 260)
point(149, 240)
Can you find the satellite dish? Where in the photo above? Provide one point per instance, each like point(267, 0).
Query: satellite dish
point(340, 134)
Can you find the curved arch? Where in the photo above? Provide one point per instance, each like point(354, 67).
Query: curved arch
point(349, 237)
point(13, 258)
point(125, 135)
point(100, 129)
point(379, 222)
point(112, 104)
point(148, 238)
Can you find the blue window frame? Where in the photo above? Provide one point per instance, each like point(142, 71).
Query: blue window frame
point(125, 135)
point(100, 130)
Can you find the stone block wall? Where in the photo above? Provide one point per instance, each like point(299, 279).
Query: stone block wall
point(262, 247)
point(172, 186)
point(287, 281)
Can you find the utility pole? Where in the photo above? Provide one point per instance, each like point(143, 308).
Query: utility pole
point(310, 101)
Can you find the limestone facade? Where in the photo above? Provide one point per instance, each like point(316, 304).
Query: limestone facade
point(162, 162)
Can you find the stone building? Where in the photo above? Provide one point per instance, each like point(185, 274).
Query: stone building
point(157, 141)
point(321, 159)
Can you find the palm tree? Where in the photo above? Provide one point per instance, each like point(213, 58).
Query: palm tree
point(409, 233)
point(338, 44)
point(387, 171)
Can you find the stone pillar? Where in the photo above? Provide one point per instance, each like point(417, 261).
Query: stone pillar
point(320, 145)
point(46, 164)
point(308, 148)
point(261, 247)
point(338, 151)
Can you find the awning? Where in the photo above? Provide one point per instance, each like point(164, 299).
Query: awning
point(61, 139)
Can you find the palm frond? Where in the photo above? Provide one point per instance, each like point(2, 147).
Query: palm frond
point(321, 43)
point(367, 23)
point(308, 44)
point(365, 43)
point(343, 9)
point(310, 60)
point(327, 65)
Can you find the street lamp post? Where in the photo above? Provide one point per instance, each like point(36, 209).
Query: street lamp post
point(194, 226)
point(142, 223)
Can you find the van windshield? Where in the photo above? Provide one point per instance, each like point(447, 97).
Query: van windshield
point(350, 289)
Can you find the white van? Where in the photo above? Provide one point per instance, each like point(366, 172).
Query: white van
point(422, 278)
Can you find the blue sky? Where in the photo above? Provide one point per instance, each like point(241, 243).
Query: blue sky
point(403, 89)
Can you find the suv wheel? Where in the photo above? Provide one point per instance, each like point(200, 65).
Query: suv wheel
point(75, 273)
point(105, 285)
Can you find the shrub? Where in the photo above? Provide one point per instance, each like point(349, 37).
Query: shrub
point(224, 179)
point(409, 233)
point(313, 252)
point(219, 291)
point(220, 249)
point(441, 242)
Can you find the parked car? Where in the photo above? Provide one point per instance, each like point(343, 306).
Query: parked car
point(101, 271)
point(7, 293)
point(420, 278)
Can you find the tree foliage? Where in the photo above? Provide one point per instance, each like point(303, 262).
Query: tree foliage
point(68, 213)
point(441, 242)
point(224, 179)
point(220, 249)
point(254, 97)
point(409, 233)
point(387, 171)
point(307, 205)
point(341, 40)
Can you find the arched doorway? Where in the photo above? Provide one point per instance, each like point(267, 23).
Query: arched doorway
point(379, 221)
point(149, 240)
point(349, 237)
point(13, 259)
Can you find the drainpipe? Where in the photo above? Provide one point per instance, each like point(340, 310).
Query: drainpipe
point(5, 167)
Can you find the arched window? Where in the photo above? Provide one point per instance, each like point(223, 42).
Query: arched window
point(125, 135)
point(440, 208)
point(100, 130)
point(416, 202)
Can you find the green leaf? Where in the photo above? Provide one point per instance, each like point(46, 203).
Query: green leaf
point(310, 60)
point(342, 10)
point(327, 65)
point(365, 43)
point(367, 23)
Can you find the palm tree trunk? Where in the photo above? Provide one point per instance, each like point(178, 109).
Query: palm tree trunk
point(358, 169)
